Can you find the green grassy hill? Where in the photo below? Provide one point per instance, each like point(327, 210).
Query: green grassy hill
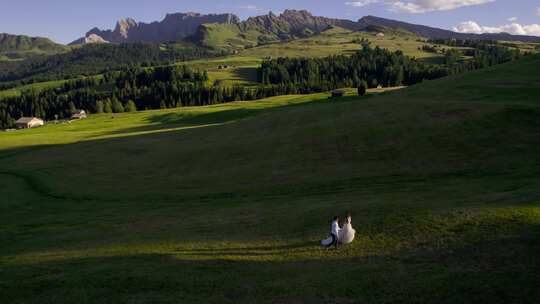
point(19, 47)
point(227, 203)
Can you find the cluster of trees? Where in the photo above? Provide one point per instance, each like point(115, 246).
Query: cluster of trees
point(95, 59)
point(463, 42)
point(482, 57)
point(429, 48)
point(375, 66)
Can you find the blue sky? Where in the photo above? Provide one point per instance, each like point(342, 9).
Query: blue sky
point(66, 20)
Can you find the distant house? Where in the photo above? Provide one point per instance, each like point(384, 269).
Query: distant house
point(79, 114)
point(338, 93)
point(29, 122)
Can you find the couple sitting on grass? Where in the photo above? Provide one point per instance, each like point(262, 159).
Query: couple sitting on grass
point(340, 235)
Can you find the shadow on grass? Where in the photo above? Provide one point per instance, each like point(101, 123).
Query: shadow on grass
point(192, 119)
point(432, 60)
point(246, 73)
point(500, 270)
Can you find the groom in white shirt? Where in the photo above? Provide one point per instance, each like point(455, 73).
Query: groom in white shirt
point(335, 232)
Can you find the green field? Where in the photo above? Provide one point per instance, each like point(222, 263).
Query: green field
point(227, 203)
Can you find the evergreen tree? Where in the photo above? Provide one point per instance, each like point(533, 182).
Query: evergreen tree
point(107, 106)
point(117, 106)
point(71, 108)
point(130, 106)
point(99, 107)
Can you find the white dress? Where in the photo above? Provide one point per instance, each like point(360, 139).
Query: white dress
point(347, 233)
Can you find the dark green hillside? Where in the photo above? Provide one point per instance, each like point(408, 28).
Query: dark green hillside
point(437, 33)
point(94, 59)
point(227, 203)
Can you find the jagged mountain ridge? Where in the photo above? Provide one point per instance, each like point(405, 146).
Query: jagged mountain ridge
point(293, 23)
point(265, 28)
point(173, 27)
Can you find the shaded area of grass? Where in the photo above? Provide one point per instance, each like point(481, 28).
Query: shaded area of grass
point(463, 271)
point(227, 203)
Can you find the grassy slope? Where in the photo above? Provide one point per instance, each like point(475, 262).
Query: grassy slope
point(226, 204)
point(332, 42)
point(16, 47)
point(35, 86)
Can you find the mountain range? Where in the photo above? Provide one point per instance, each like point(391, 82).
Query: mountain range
point(290, 24)
point(227, 31)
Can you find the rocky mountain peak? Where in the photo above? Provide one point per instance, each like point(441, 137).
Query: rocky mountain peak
point(173, 27)
point(296, 13)
point(123, 26)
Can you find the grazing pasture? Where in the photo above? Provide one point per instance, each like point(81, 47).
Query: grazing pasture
point(227, 203)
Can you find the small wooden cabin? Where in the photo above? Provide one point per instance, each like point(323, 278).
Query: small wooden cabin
point(79, 114)
point(29, 122)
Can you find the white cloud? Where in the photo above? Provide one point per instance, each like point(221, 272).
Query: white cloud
point(512, 19)
point(361, 3)
point(420, 6)
point(512, 28)
point(424, 6)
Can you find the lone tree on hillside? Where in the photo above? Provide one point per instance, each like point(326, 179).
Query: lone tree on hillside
point(362, 88)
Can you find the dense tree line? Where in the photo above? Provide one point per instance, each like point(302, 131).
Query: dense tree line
point(130, 89)
point(95, 59)
point(375, 66)
point(139, 88)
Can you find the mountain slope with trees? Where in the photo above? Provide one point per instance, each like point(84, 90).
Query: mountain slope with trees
point(437, 33)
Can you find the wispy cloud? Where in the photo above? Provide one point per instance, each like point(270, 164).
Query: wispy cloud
point(512, 19)
point(512, 28)
point(252, 8)
point(419, 6)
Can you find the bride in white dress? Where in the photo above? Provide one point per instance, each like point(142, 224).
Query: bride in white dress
point(347, 233)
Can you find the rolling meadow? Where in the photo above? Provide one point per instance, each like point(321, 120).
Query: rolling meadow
point(227, 203)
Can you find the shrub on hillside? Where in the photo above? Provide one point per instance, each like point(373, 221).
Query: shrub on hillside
point(362, 88)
